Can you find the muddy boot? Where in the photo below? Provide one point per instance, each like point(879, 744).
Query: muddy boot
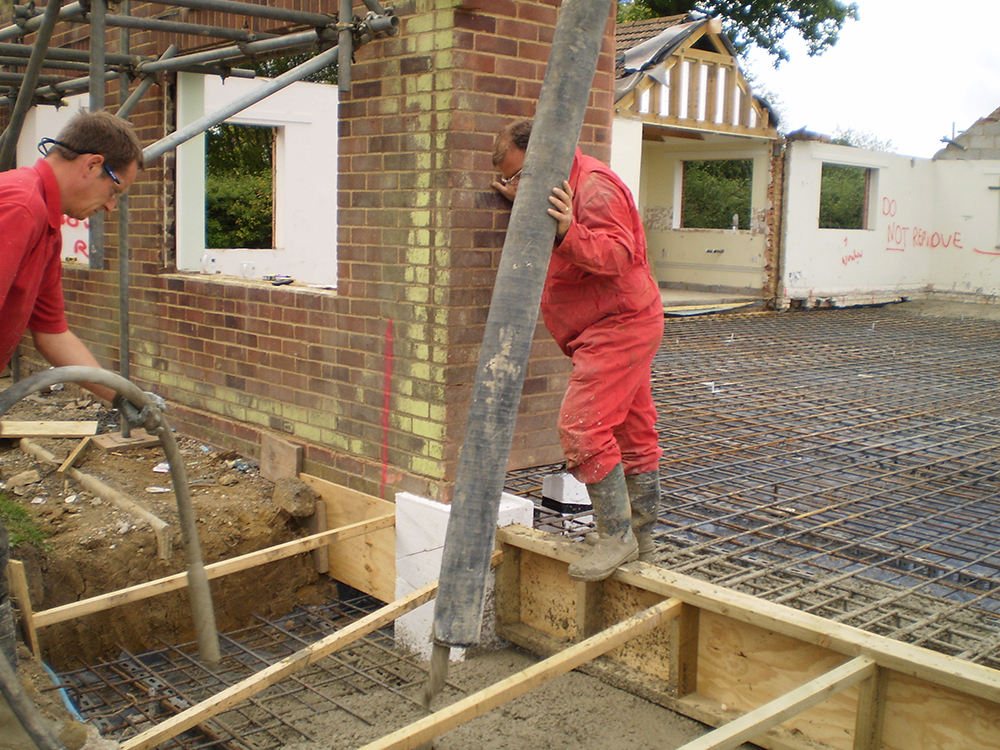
point(616, 543)
point(644, 496)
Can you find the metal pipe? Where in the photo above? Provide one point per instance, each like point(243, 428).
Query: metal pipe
point(178, 27)
point(281, 43)
point(124, 249)
point(20, 62)
point(70, 85)
point(345, 43)
point(140, 91)
point(155, 422)
point(199, 126)
point(34, 23)
point(98, 86)
point(256, 11)
point(73, 55)
point(25, 97)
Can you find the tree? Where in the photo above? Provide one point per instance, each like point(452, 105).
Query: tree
point(761, 23)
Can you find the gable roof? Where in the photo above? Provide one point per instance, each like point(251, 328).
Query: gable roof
point(681, 72)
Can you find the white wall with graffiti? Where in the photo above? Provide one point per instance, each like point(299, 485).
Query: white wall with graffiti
point(926, 226)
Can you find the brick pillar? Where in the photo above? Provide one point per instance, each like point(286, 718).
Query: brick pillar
point(420, 228)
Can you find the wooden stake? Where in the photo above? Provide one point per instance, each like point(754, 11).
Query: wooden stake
point(19, 588)
point(73, 457)
point(486, 700)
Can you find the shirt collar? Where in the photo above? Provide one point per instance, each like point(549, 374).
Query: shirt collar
point(53, 198)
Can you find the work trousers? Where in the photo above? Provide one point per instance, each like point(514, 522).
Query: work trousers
point(608, 415)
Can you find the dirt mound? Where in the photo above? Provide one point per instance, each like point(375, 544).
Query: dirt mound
point(92, 547)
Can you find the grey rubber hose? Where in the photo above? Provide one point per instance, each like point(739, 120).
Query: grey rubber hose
point(155, 423)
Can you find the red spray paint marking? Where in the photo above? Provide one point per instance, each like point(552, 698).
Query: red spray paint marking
point(385, 407)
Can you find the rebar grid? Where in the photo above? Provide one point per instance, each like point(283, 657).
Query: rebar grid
point(134, 692)
point(844, 462)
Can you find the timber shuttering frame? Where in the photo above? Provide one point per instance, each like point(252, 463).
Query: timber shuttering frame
point(727, 654)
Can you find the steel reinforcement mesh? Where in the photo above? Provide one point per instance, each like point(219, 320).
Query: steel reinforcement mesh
point(841, 462)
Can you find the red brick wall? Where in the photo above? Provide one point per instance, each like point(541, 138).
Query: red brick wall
point(420, 233)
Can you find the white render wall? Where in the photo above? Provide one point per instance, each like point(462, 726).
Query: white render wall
point(703, 258)
point(931, 229)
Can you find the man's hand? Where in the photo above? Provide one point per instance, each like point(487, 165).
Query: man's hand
point(562, 208)
point(131, 413)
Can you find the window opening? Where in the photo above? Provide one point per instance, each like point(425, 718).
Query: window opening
point(844, 197)
point(717, 194)
point(239, 186)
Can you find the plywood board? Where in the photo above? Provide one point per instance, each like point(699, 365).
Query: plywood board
point(919, 716)
point(54, 429)
point(743, 667)
point(366, 563)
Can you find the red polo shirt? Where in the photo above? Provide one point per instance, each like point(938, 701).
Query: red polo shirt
point(31, 294)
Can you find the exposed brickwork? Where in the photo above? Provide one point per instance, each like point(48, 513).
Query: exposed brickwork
point(420, 233)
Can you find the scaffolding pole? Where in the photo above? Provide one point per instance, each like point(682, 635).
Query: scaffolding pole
point(8, 151)
point(199, 126)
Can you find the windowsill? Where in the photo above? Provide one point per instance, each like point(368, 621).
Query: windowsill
point(218, 278)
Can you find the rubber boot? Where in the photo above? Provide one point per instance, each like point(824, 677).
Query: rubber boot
point(644, 498)
point(616, 543)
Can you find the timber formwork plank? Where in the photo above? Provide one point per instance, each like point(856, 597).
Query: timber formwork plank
point(733, 654)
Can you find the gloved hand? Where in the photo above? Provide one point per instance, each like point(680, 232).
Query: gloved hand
point(131, 413)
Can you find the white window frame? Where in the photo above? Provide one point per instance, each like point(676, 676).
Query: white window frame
point(305, 118)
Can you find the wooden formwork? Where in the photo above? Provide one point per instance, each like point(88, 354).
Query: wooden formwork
point(784, 679)
point(746, 665)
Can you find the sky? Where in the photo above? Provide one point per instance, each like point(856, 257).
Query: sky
point(906, 71)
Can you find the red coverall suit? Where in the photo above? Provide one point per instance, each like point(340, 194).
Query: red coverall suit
point(602, 306)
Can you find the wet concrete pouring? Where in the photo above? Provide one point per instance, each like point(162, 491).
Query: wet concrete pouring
point(841, 462)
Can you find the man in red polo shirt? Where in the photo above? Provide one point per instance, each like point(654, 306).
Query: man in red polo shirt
point(86, 169)
point(602, 306)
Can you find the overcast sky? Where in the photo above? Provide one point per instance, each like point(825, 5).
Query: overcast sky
point(907, 71)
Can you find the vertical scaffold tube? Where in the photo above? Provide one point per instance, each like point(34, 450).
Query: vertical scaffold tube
point(510, 326)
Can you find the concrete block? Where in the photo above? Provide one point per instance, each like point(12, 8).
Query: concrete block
point(279, 459)
point(421, 525)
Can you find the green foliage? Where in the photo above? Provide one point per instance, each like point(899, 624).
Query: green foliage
point(842, 198)
point(19, 525)
point(762, 23)
point(239, 210)
point(714, 191)
point(239, 187)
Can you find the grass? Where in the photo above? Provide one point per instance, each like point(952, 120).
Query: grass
point(19, 525)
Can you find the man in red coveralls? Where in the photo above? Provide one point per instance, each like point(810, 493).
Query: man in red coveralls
point(602, 306)
point(86, 169)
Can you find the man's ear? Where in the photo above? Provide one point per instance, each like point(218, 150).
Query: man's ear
point(92, 163)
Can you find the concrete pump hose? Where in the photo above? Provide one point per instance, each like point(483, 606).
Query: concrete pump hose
point(201, 597)
point(24, 709)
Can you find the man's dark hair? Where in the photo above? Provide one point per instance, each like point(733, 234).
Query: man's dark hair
point(517, 133)
point(100, 133)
